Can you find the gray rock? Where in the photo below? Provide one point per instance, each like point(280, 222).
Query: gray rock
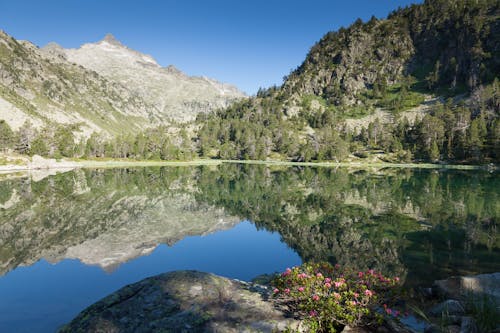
point(449, 307)
point(183, 301)
point(460, 287)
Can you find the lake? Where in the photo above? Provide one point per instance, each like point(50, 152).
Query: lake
point(70, 239)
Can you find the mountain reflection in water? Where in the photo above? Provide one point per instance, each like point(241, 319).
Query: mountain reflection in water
point(419, 224)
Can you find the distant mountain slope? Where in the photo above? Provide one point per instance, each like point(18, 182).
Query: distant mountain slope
point(47, 92)
point(46, 88)
point(173, 93)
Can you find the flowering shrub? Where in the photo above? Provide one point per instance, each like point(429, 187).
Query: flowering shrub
point(330, 297)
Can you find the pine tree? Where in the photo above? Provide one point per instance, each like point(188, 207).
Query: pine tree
point(6, 135)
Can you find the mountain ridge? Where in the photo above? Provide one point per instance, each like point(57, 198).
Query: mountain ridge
point(171, 91)
point(43, 86)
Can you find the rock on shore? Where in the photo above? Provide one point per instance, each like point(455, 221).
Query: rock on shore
point(183, 301)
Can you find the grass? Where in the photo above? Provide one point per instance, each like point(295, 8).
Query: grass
point(360, 164)
point(484, 310)
point(411, 99)
point(116, 163)
point(356, 112)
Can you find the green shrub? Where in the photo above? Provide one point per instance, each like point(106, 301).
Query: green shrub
point(328, 297)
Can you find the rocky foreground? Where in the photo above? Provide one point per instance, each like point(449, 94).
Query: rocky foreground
point(183, 301)
point(191, 301)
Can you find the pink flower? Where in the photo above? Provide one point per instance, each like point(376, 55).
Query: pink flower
point(276, 290)
point(338, 284)
point(315, 298)
point(287, 272)
point(313, 313)
point(354, 302)
point(396, 279)
point(328, 285)
point(336, 295)
point(328, 280)
point(368, 293)
point(356, 295)
point(360, 274)
point(287, 291)
point(371, 271)
point(319, 275)
point(302, 276)
point(301, 289)
point(388, 311)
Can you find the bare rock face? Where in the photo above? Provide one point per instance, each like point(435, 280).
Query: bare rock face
point(183, 301)
point(174, 94)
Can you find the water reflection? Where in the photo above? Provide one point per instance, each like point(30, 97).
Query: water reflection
point(419, 224)
point(101, 217)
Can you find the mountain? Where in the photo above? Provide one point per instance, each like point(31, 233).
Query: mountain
point(421, 85)
point(172, 92)
point(47, 87)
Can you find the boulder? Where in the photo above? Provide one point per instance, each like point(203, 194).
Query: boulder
point(460, 287)
point(184, 301)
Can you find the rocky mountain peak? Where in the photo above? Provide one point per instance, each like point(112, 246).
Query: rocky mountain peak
point(173, 94)
point(112, 80)
point(111, 39)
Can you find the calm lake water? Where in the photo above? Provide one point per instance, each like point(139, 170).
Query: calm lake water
point(68, 240)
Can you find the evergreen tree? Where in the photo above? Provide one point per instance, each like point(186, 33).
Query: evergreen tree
point(6, 135)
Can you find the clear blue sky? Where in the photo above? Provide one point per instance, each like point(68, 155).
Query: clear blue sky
point(251, 44)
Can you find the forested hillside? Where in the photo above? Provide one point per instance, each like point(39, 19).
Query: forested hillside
point(419, 85)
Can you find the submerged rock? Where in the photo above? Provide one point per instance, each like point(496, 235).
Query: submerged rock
point(183, 301)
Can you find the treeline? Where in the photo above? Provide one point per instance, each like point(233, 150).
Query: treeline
point(260, 129)
point(59, 141)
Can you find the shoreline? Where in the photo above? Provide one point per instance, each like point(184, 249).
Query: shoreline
point(40, 164)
